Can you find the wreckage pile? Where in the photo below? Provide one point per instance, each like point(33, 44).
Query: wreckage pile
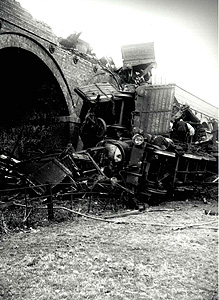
point(88, 181)
point(130, 151)
point(30, 189)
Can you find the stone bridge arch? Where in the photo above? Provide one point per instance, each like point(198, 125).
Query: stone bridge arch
point(21, 41)
point(35, 97)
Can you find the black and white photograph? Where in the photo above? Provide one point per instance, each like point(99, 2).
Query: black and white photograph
point(109, 150)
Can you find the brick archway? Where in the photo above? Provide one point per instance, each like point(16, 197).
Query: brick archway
point(37, 110)
point(21, 41)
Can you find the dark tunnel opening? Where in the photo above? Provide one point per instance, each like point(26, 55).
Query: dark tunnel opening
point(31, 98)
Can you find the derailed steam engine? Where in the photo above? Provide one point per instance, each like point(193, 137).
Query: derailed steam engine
point(127, 148)
point(128, 134)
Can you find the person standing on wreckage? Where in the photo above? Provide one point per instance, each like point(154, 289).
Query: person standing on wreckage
point(182, 130)
point(191, 132)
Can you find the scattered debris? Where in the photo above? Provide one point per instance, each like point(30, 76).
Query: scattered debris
point(46, 170)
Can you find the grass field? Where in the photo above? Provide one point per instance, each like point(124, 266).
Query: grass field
point(87, 259)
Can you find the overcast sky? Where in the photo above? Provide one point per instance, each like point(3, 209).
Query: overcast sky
point(184, 32)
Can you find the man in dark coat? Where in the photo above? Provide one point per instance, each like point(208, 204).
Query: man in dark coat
point(181, 130)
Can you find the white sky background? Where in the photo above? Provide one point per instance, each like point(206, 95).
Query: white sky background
point(184, 32)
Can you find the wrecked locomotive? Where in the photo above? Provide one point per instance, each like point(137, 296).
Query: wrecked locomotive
point(128, 133)
point(126, 146)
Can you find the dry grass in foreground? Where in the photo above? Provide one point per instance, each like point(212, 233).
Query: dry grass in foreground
point(87, 259)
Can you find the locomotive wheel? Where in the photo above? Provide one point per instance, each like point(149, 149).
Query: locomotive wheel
point(101, 128)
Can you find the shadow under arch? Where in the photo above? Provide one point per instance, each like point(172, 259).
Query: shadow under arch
point(22, 41)
point(33, 95)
